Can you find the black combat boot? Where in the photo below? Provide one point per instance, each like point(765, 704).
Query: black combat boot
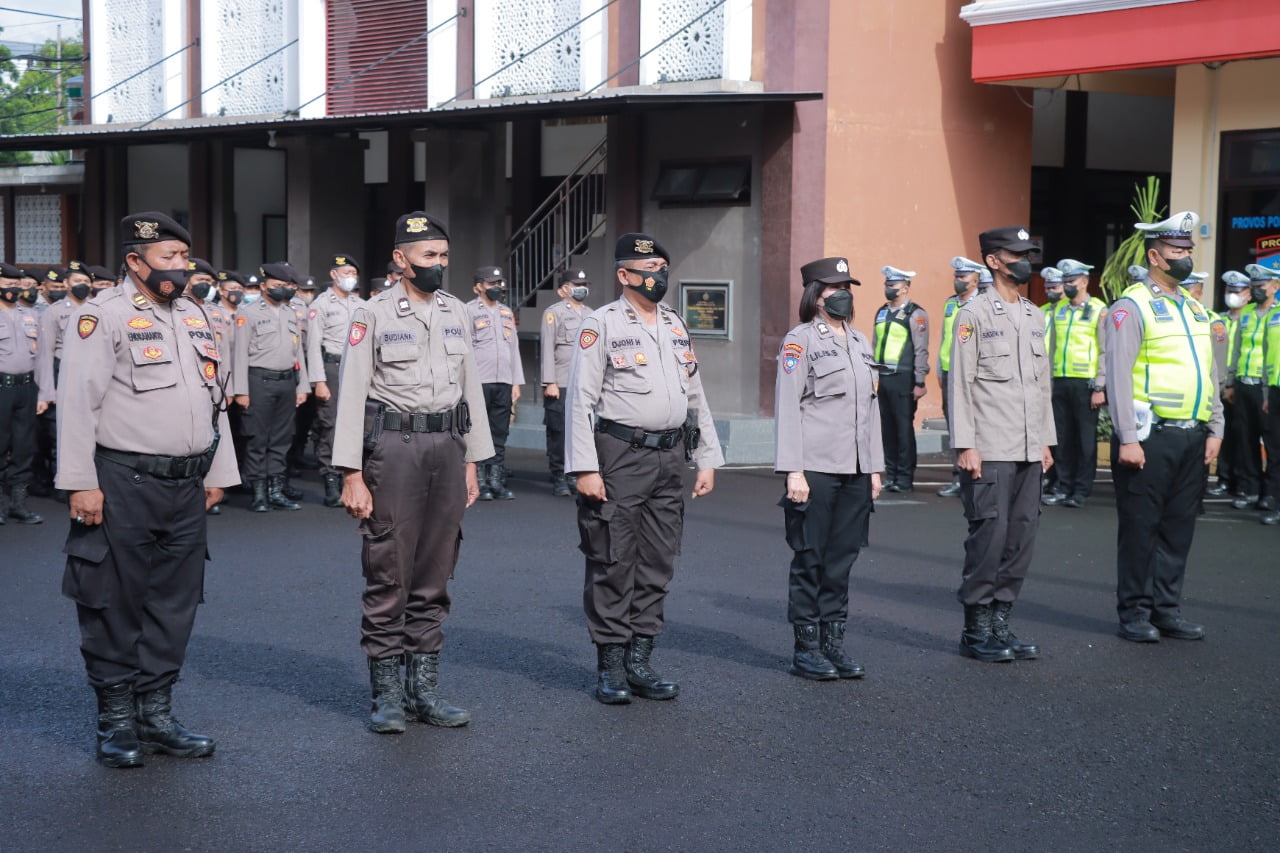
point(259, 496)
point(611, 685)
point(498, 483)
point(560, 487)
point(158, 731)
point(1000, 630)
point(117, 731)
point(976, 641)
point(422, 680)
point(332, 490)
point(275, 494)
point(833, 650)
point(482, 474)
point(644, 682)
point(951, 490)
point(386, 715)
point(18, 507)
point(808, 661)
point(289, 490)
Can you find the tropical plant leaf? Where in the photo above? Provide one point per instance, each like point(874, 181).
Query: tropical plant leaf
point(1146, 208)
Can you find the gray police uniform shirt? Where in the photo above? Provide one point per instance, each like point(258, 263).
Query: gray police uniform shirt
point(495, 343)
point(223, 322)
point(639, 376)
point(557, 337)
point(412, 357)
point(19, 339)
point(825, 389)
point(53, 330)
point(1123, 345)
point(329, 321)
point(268, 336)
point(140, 377)
point(999, 382)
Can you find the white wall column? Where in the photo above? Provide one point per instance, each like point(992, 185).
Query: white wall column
point(442, 50)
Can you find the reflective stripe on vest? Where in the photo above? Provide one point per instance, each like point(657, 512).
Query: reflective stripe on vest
point(1271, 368)
point(949, 315)
point(1232, 324)
point(1173, 370)
point(1075, 340)
point(1251, 332)
point(893, 337)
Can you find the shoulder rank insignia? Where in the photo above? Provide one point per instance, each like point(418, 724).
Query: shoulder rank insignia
point(139, 300)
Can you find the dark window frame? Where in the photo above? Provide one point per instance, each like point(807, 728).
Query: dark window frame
point(699, 195)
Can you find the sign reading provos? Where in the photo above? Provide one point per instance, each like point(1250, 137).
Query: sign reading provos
point(705, 308)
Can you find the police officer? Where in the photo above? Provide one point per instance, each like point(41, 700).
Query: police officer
point(557, 337)
point(828, 444)
point(1245, 384)
point(409, 469)
point(19, 334)
point(331, 315)
point(1002, 425)
point(497, 353)
point(141, 412)
point(29, 293)
point(66, 290)
point(226, 320)
point(102, 279)
point(269, 383)
point(902, 350)
point(1271, 410)
point(1236, 298)
point(392, 277)
point(1163, 388)
point(1077, 335)
point(966, 277)
point(634, 398)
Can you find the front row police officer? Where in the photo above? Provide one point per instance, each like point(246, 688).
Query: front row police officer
point(409, 462)
point(1002, 425)
point(1160, 361)
point(141, 413)
point(634, 394)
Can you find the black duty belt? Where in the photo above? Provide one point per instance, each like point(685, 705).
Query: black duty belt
point(330, 358)
point(164, 467)
point(271, 374)
point(1161, 423)
point(8, 380)
point(1249, 380)
point(417, 421)
point(662, 440)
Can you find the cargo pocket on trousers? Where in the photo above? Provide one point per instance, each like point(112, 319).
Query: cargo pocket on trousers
point(378, 552)
point(793, 518)
point(593, 529)
point(981, 500)
point(86, 580)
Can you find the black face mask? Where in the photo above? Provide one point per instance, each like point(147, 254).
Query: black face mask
point(890, 293)
point(280, 294)
point(494, 294)
point(28, 295)
point(1071, 291)
point(81, 291)
point(1258, 293)
point(56, 295)
point(201, 290)
point(839, 305)
point(653, 284)
point(1020, 271)
point(579, 293)
point(960, 286)
point(156, 279)
point(427, 279)
point(10, 294)
point(1180, 269)
point(234, 297)
point(1053, 295)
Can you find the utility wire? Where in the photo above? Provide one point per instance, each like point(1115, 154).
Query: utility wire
point(219, 83)
point(41, 14)
point(636, 61)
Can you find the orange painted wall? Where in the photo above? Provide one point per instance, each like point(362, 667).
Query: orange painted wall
point(919, 158)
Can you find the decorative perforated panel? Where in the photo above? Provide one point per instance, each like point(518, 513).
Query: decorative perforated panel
point(519, 26)
point(248, 31)
point(37, 229)
point(697, 53)
point(136, 40)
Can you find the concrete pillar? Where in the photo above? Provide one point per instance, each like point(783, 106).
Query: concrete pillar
point(324, 196)
point(466, 187)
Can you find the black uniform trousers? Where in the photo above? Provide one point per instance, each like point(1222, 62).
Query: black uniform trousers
point(1248, 461)
point(631, 540)
point(826, 533)
point(1230, 443)
point(419, 488)
point(268, 424)
point(137, 578)
point(897, 426)
point(1157, 507)
point(1076, 454)
point(1003, 510)
point(497, 402)
point(1271, 441)
point(553, 420)
point(17, 433)
point(327, 416)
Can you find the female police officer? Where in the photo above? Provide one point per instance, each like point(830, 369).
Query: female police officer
point(829, 445)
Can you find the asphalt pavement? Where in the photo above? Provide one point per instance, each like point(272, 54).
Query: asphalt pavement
point(1099, 745)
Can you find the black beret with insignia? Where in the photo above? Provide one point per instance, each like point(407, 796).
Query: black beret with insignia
point(638, 247)
point(307, 283)
point(342, 259)
point(200, 266)
point(1012, 238)
point(230, 275)
point(418, 225)
point(77, 267)
point(9, 271)
point(54, 274)
point(151, 226)
point(488, 274)
point(828, 271)
point(574, 276)
point(98, 273)
point(282, 271)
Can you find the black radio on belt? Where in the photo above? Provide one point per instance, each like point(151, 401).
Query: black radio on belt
point(692, 435)
point(374, 413)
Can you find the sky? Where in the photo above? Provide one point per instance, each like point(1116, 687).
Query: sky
point(35, 29)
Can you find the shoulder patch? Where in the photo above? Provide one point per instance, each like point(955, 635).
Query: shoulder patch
point(358, 331)
point(87, 324)
point(921, 323)
point(1118, 316)
point(587, 338)
point(1219, 331)
point(551, 319)
point(964, 332)
point(210, 370)
point(791, 353)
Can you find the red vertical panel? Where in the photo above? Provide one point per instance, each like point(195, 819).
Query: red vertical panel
point(359, 34)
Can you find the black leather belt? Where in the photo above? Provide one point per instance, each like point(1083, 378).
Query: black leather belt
point(164, 467)
point(662, 440)
point(271, 374)
point(417, 421)
point(8, 380)
point(330, 358)
point(1161, 423)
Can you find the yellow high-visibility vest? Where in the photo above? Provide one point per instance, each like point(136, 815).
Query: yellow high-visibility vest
point(1174, 368)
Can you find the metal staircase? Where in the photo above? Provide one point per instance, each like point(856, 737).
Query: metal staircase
point(571, 215)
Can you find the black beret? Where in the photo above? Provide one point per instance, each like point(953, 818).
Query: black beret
point(77, 267)
point(100, 273)
point(574, 276)
point(828, 271)
point(150, 226)
point(635, 246)
point(200, 266)
point(393, 267)
point(418, 225)
point(282, 271)
point(307, 283)
point(342, 259)
point(1012, 238)
point(10, 271)
point(54, 274)
point(230, 275)
point(488, 274)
